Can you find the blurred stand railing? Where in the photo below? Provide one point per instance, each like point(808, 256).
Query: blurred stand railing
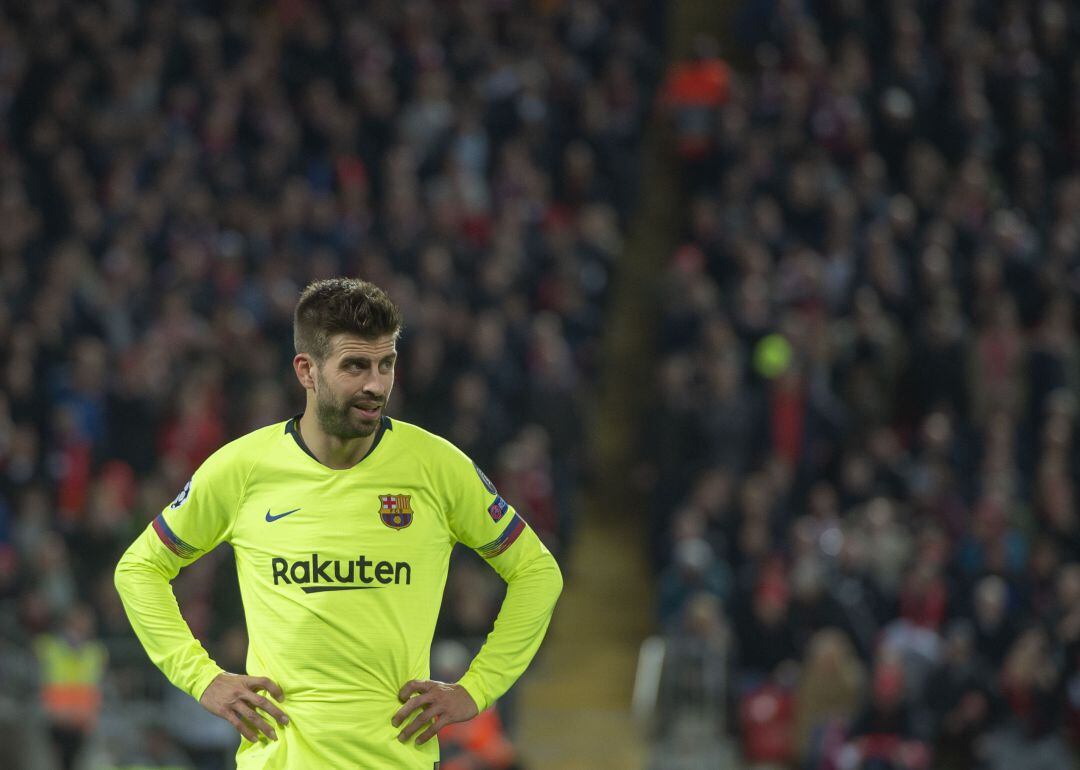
point(22, 722)
point(680, 699)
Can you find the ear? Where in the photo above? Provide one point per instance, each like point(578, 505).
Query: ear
point(305, 368)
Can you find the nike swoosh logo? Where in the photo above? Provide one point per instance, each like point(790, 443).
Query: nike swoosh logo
point(275, 518)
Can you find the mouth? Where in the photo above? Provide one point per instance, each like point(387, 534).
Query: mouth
point(368, 411)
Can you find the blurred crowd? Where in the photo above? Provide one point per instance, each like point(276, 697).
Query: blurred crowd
point(172, 173)
point(865, 467)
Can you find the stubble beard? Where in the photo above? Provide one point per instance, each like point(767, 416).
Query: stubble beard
point(336, 419)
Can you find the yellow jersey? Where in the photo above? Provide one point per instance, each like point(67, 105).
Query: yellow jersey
point(341, 574)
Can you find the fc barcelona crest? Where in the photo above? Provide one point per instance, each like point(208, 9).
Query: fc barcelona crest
point(396, 511)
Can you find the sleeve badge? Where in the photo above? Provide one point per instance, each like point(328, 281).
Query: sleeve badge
point(498, 509)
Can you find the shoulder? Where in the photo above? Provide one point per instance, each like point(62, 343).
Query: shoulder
point(447, 466)
point(430, 449)
point(242, 453)
point(414, 437)
point(224, 474)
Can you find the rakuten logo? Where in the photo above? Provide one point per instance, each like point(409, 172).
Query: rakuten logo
point(315, 574)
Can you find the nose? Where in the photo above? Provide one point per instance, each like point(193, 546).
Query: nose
point(376, 387)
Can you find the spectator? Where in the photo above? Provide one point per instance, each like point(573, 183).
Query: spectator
point(963, 699)
point(694, 91)
point(994, 629)
point(829, 693)
point(884, 735)
point(694, 571)
point(72, 666)
point(766, 637)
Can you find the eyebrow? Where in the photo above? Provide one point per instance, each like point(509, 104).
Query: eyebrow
point(363, 359)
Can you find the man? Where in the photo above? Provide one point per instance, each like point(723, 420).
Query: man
point(342, 521)
point(72, 664)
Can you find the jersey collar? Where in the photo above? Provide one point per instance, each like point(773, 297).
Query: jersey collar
point(385, 424)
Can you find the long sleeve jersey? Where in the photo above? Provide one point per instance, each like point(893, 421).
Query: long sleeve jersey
point(341, 575)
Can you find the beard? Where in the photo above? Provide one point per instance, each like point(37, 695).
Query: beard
point(340, 420)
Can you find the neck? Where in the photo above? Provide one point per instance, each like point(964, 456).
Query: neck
point(332, 451)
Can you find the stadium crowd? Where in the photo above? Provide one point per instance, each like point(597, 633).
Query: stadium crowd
point(865, 463)
point(171, 175)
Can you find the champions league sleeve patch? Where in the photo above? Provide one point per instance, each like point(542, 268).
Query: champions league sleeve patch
point(487, 482)
point(182, 497)
point(498, 509)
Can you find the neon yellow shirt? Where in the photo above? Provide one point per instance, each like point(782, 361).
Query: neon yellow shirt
point(341, 574)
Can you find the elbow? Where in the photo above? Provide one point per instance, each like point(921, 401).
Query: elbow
point(542, 575)
point(130, 570)
point(556, 580)
point(122, 573)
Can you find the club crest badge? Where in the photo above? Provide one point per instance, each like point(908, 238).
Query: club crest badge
point(396, 511)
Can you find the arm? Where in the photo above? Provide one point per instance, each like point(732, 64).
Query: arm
point(194, 523)
point(143, 579)
point(485, 522)
point(533, 585)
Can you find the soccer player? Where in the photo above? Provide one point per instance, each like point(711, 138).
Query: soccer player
point(341, 521)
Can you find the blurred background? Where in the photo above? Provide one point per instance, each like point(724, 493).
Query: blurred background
point(762, 313)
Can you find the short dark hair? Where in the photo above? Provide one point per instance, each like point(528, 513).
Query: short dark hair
point(341, 305)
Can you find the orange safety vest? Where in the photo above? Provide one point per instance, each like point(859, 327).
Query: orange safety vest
point(71, 680)
point(483, 738)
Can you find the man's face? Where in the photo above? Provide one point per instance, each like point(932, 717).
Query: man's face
point(353, 385)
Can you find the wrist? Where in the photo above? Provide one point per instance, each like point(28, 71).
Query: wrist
point(471, 687)
point(204, 680)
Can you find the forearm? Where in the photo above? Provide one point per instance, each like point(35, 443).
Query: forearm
point(143, 582)
point(531, 593)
